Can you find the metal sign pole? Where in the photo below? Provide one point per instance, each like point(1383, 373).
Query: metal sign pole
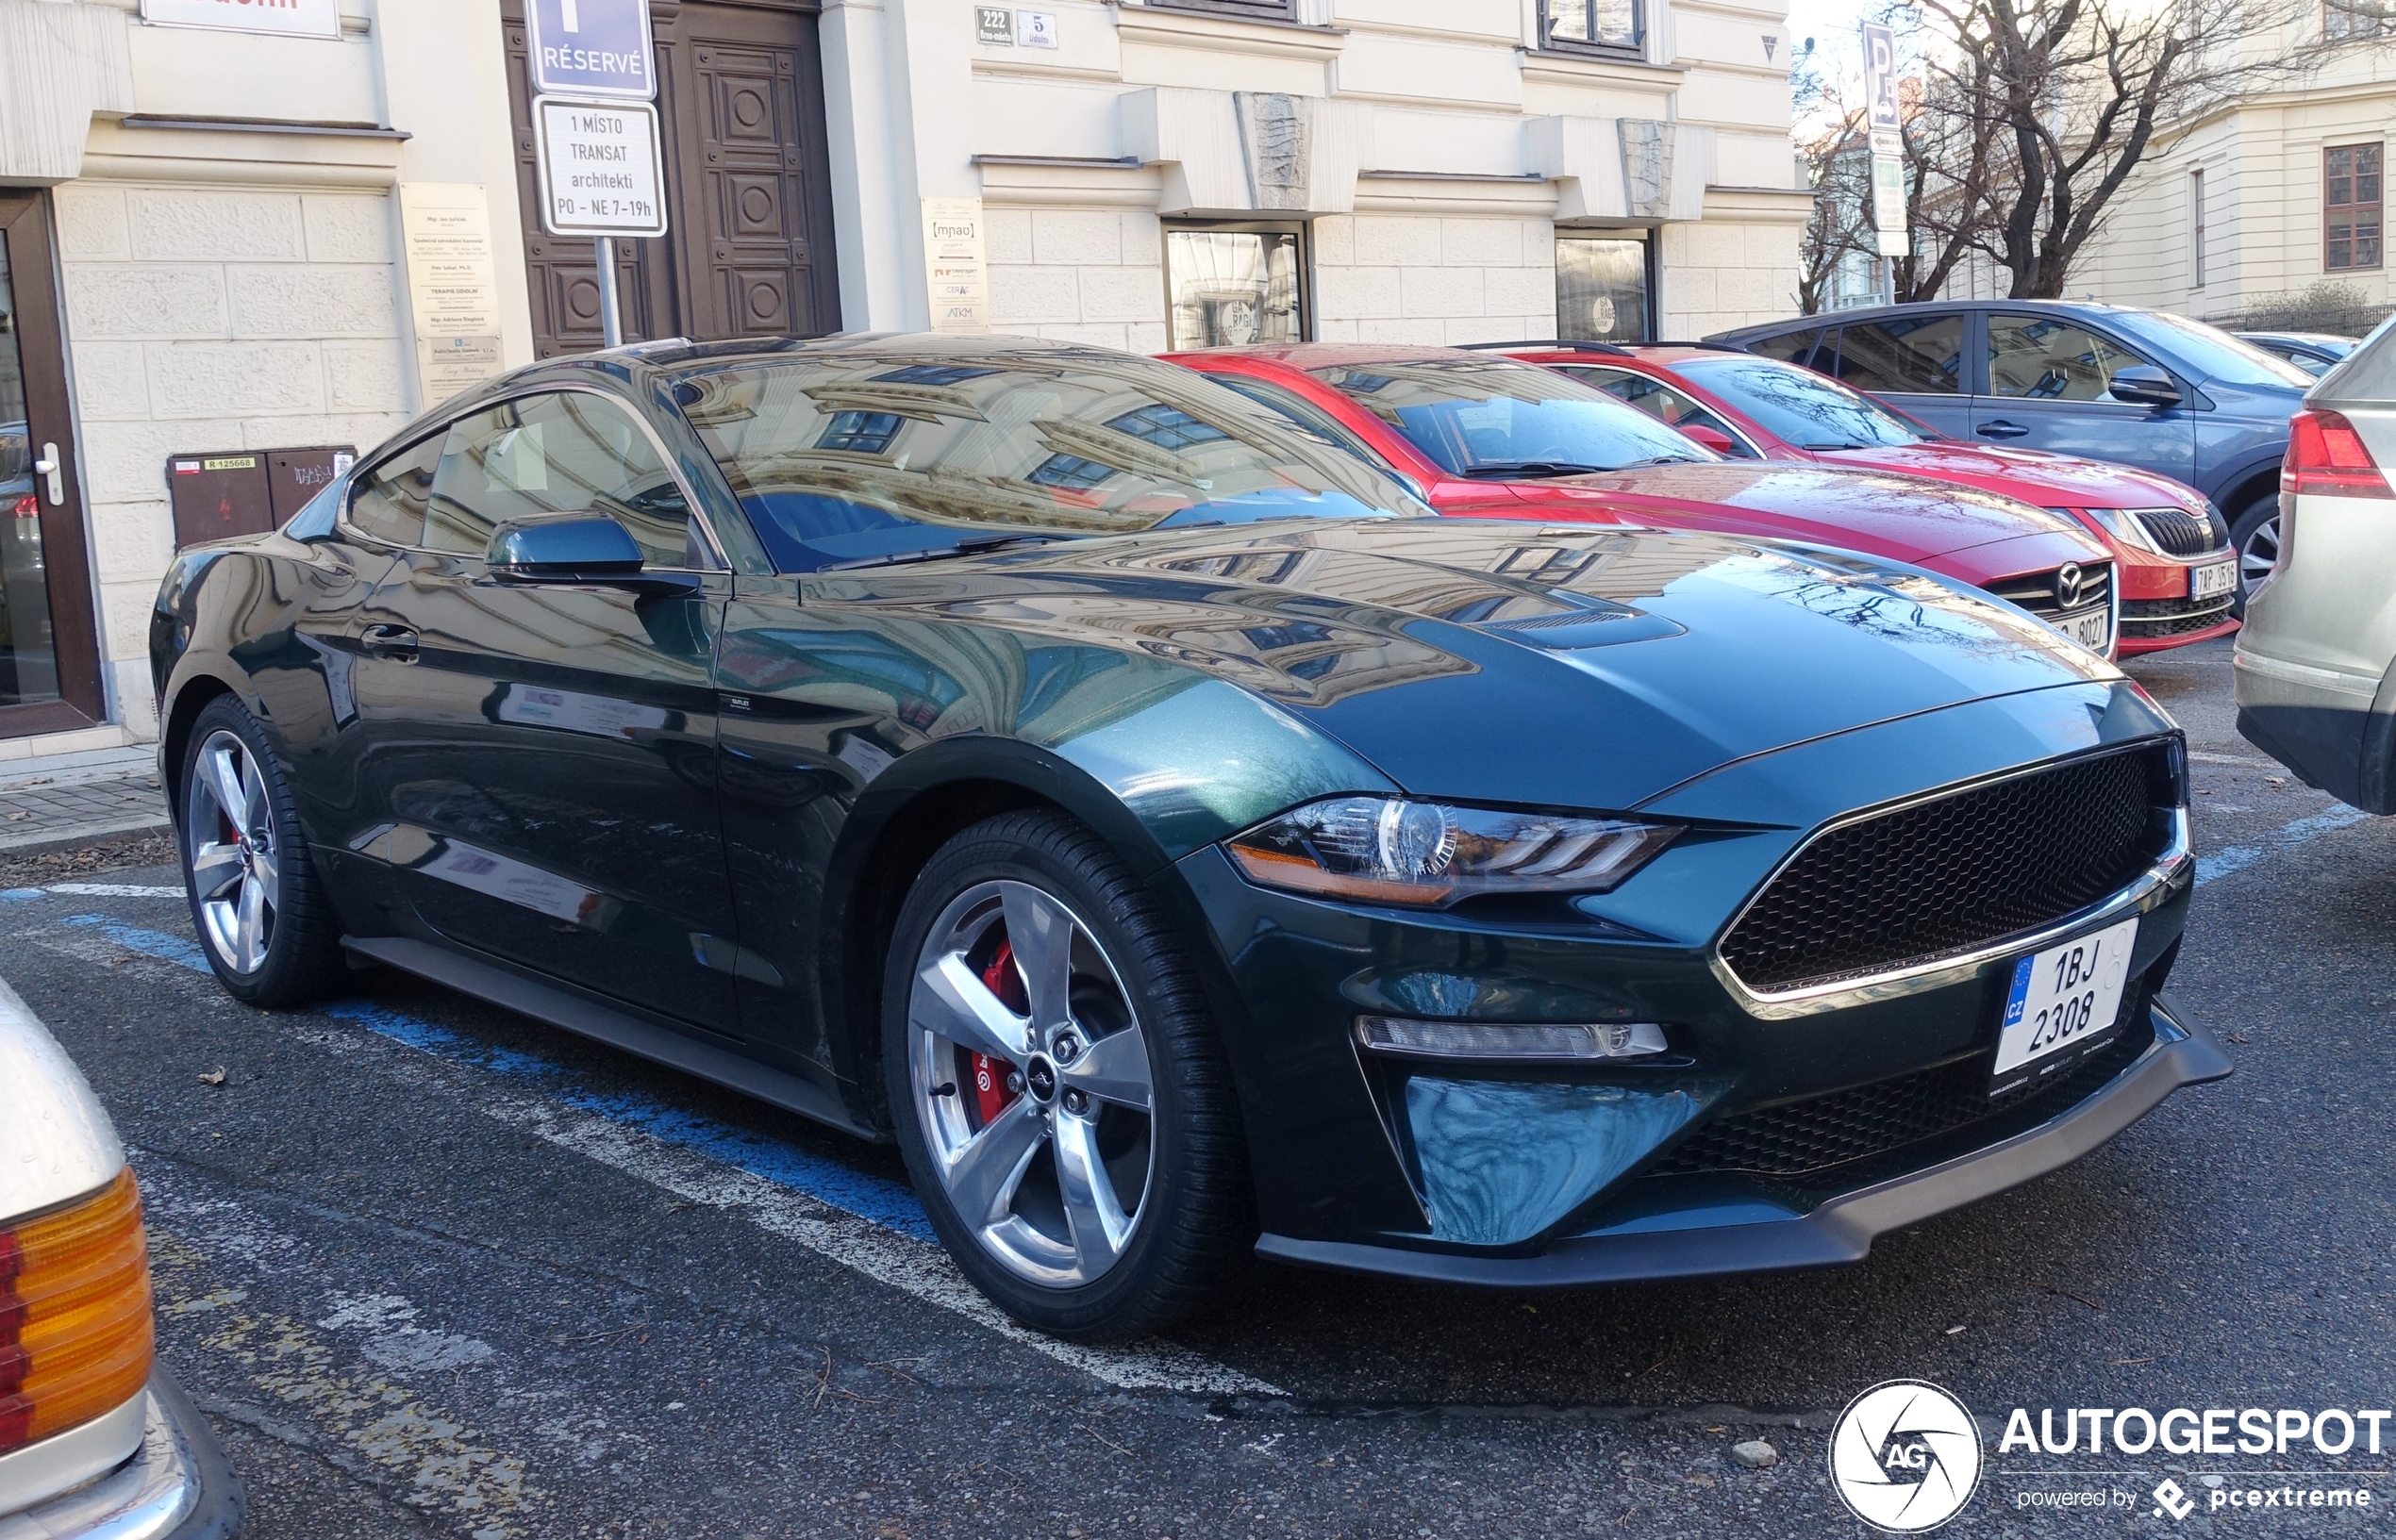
point(610, 309)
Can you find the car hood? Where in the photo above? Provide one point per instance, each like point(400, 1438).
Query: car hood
point(1904, 518)
point(1495, 660)
point(2050, 481)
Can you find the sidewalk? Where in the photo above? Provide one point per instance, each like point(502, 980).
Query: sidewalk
point(67, 799)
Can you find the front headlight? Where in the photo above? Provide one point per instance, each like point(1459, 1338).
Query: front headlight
point(1393, 849)
point(2124, 526)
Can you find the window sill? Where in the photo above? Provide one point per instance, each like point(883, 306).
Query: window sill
point(1173, 27)
point(1585, 68)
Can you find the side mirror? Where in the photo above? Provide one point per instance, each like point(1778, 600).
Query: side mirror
point(585, 550)
point(2143, 385)
point(1712, 438)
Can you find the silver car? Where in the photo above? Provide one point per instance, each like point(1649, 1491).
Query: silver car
point(2315, 686)
point(96, 1443)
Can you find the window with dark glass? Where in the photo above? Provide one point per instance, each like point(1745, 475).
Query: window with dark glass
point(863, 433)
point(1230, 288)
point(2041, 357)
point(1917, 354)
point(1798, 348)
point(567, 452)
point(1659, 400)
point(1601, 290)
point(1604, 26)
point(2351, 207)
point(1259, 11)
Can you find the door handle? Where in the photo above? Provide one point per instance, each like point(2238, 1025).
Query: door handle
point(48, 468)
point(2001, 429)
point(396, 642)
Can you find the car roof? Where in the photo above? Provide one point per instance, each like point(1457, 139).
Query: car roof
point(2302, 339)
point(1875, 312)
point(1312, 355)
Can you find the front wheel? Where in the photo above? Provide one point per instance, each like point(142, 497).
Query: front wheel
point(2255, 535)
point(1059, 1092)
point(263, 921)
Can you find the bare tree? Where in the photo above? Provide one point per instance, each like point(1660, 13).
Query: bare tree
point(2035, 112)
point(1953, 157)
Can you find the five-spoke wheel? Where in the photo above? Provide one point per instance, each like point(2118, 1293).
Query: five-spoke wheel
point(228, 833)
point(1060, 1090)
point(271, 937)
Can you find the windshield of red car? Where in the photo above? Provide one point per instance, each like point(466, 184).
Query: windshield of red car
point(1799, 407)
point(1494, 418)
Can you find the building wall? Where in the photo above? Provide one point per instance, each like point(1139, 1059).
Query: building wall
point(206, 318)
point(2263, 169)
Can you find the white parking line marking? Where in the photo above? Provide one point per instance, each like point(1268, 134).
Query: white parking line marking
point(114, 891)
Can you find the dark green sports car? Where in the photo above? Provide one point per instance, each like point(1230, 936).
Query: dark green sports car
point(1175, 836)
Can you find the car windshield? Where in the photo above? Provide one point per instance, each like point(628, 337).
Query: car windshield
point(2208, 351)
point(859, 458)
point(1493, 418)
point(1799, 407)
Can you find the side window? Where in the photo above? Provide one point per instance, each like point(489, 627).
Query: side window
point(557, 454)
point(1923, 356)
point(2046, 359)
point(387, 504)
point(1793, 348)
point(1660, 402)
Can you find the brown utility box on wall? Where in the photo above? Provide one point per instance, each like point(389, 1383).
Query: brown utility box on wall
point(220, 493)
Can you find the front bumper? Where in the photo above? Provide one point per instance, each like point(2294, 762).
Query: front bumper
point(1838, 1230)
point(176, 1485)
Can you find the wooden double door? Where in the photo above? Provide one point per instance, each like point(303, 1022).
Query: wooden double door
point(748, 251)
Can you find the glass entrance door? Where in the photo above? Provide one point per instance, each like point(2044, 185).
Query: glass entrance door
point(49, 663)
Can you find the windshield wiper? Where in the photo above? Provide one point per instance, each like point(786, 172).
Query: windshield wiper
point(1660, 460)
point(1535, 467)
point(978, 545)
point(1829, 446)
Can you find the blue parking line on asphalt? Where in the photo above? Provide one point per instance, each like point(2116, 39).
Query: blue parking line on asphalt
point(2239, 857)
point(871, 1198)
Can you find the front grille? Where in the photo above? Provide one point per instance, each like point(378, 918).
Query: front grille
point(2151, 618)
point(1942, 876)
point(1804, 1138)
point(2178, 533)
point(2035, 591)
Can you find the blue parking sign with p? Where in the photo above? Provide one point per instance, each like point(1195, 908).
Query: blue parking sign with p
point(592, 48)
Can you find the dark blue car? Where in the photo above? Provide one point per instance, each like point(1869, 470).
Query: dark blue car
point(2138, 386)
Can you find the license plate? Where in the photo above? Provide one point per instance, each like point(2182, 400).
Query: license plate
point(2091, 628)
point(2065, 1003)
point(2213, 579)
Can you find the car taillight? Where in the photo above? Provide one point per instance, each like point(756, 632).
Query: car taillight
point(2327, 457)
point(75, 1315)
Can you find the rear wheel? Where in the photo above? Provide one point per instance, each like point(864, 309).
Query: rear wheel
point(262, 920)
point(2255, 535)
point(1061, 1095)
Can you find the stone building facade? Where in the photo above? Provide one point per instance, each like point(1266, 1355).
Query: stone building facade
point(222, 200)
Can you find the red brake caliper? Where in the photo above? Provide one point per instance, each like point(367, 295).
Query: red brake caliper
point(990, 1095)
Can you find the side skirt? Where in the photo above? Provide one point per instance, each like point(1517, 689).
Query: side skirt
point(556, 1007)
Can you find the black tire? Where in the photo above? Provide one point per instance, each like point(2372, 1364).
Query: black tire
point(2256, 526)
point(301, 958)
point(1195, 1221)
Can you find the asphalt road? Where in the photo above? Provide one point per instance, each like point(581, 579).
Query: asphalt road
point(434, 1269)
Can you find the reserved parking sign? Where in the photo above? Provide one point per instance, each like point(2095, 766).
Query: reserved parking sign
point(592, 48)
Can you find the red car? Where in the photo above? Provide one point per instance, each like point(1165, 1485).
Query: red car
point(1481, 434)
point(2179, 579)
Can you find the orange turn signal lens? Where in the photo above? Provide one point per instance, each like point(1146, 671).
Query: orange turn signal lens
point(75, 1315)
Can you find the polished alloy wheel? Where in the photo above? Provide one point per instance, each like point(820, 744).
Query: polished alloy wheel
point(228, 825)
point(2258, 554)
point(1031, 1082)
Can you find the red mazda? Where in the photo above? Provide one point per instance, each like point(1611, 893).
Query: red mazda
point(2178, 576)
point(1480, 434)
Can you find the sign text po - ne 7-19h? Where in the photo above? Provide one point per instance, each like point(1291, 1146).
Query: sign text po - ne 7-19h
point(599, 167)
